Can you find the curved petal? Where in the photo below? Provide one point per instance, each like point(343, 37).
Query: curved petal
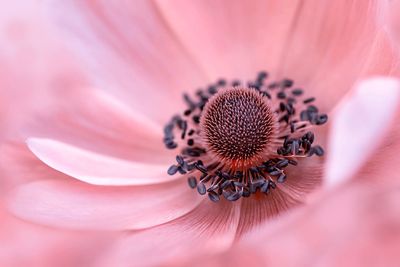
point(302, 179)
point(94, 120)
point(72, 204)
point(390, 18)
point(37, 246)
point(357, 225)
point(323, 46)
point(94, 168)
point(209, 228)
point(359, 125)
point(128, 50)
point(235, 39)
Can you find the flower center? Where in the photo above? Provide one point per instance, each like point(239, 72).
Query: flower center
point(236, 140)
point(237, 124)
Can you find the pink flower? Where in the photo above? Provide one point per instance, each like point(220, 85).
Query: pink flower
point(94, 160)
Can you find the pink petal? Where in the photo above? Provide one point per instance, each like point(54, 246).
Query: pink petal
point(72, 204)
point(323, 46)
point(94, 168)
point(390, 19)
point(235, 39)
point(209, 228)
point(26, 244)
point(130, 51)
point(356, 225)
point(359, 125)
point(94, 120)
point(302, 179)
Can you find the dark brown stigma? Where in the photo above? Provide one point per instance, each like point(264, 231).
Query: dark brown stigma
point(237, 124)
point(237, 140)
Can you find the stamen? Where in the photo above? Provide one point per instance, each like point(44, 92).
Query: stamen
point(236, 141)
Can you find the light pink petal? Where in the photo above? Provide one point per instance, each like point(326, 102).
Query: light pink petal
point(130, 51)
point(323, 46)
point(94, 168)
point(27, 244)
point(390, 19)
point(72, 204)
point(356, 225)
point(94, 120)
point(302, 179)
point(333, 44)
point(359, 125)
point(383, 168)
point(209, 228)
point(235, 39)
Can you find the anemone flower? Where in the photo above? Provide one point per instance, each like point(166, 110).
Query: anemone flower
point(253, 138)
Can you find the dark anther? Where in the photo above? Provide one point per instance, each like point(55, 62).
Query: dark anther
point(172, 170)
point(318, 151)
point(213, 196)
point(201, 188)
point(191, 132)
point(201, 168)
point(221, 82)
point(304, 115)
point(196, 119)
point(292, 127)
point(235, 83)
point(168, 129)
point(281, 95)
point(181, 170)
point(253, 170)
point(266, 94)
point(233, 197)
point(273, 85)
point(193, 151)
point(282, 106)
point(171, 145)
point(297, 92)
point(262, 75)
point(309, 100)
point(282, 163)
point(190, 142)
point(322, 119)
point(309, 136)
point(212, 90)
point(192, 182)
point(246, 192)
point(274, 173)
point(180, 160)
point(312, 108)
point(189, 101)
point(187, 112)
point(306, 145)
point(238, 184)
point(284, 118)
point(225, 175)
point(287, 83)
point(281, 178)
point(265, 187)
point(226, 184)
point(290, 109)
point(295, 147)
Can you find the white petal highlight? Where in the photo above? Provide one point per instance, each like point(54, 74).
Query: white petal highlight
point(94, 168)
point(359, 124)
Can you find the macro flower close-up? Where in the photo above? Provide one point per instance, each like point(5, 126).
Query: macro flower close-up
point(200, 133)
